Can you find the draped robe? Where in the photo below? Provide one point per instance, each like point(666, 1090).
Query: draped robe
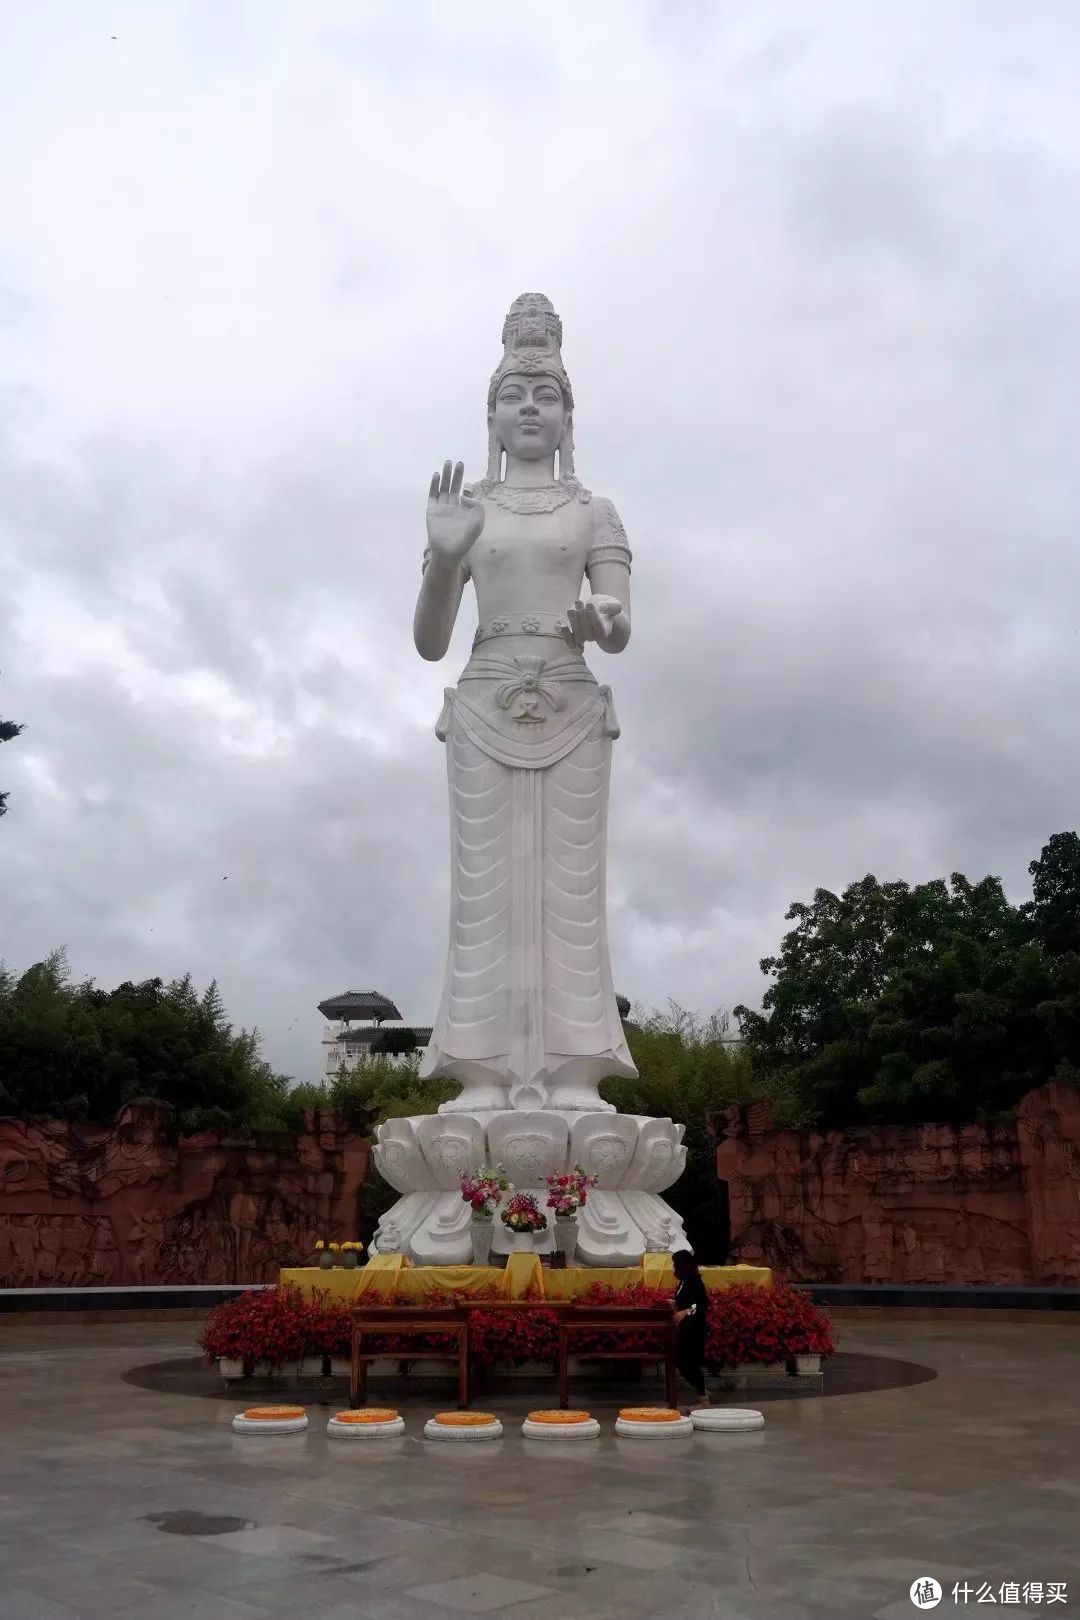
point(528, 1013)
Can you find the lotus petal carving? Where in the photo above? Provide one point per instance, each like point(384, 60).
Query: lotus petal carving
point(451, 1144)
point(603, 1145)
point(398, 1158)
point(529, 1146)
point(659, 1158)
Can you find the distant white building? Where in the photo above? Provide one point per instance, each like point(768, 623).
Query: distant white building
point(364, 1023)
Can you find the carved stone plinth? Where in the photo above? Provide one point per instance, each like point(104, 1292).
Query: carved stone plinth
point(633, 1157)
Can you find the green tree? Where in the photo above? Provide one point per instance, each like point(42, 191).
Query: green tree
point(688, 1069)
point(369, 1091)
point(8, 731)
point(77, 1051)
point(1054, 908)
point(1054, 915)
point(940, 1001)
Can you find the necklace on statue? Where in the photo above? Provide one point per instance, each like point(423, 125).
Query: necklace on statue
point(527, 498)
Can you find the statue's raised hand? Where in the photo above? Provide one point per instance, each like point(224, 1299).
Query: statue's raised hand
point(592, 621)
point(454, 520)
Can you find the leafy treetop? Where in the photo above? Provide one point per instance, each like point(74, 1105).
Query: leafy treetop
point(942, 1001)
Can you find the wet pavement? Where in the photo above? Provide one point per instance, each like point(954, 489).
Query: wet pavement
point(124, 1493)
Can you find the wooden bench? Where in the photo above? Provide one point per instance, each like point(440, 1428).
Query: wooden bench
point(579, 1319)
point(405, 1321)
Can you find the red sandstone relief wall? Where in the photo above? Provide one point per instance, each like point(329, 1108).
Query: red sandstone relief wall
point(136, 1203)
point(918, 1204)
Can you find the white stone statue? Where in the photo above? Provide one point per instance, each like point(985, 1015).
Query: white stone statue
point(528, 1015)
point(528, 1022)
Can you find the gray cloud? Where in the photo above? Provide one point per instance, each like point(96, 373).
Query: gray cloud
point(818, 287)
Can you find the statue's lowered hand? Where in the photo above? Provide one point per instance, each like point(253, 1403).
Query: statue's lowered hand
point(593, 620)
point(454, 520)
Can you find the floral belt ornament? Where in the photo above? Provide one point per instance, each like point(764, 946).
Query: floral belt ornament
point(524, 624)
point(530, 682)
point(528, 689)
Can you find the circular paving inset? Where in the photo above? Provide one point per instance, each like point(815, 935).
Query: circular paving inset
point(849, 1372)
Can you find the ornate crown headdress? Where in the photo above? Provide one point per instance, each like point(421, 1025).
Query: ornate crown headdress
point(532, 343)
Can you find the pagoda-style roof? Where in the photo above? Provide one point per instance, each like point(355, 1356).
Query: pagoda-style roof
point(369, 1004)
point(423, 1033)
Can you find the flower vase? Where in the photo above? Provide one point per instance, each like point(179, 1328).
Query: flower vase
point(350, 1259)
point(481, 1233)
point(326, 1260)
point(520, 1242)
point(566, 1236)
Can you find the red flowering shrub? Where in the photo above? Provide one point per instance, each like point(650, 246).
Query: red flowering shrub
point(631, 1337)
point(275, 1326)
point(329, 1324)
point(748, 1324)
point(513, 1336)
point(268, 1326)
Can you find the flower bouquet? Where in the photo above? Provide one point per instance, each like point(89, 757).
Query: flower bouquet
point(523, 1216)
point(566, 1195)
point(483, 1190)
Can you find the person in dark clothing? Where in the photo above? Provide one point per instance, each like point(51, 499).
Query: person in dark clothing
point(692, 1314)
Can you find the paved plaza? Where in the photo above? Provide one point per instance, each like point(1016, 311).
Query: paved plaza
point(121, 1499)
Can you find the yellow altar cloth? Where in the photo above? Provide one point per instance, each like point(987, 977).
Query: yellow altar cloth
point(390, 1276)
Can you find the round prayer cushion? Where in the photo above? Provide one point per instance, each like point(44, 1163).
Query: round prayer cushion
point(270, 1420)
point(726, 1419)
point(557, 1415)
point(649, 1414)
point(366, 1423)
point(367, 1414)
point(464, 1420)
point(652, 1423)
point(463, 1426)
point(549, 1425)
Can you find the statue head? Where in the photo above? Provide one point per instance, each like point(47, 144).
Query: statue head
point(530, 401)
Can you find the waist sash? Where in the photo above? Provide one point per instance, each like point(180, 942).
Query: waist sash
point(527, 721)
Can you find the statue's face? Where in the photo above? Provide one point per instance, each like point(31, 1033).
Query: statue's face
point(529, 416)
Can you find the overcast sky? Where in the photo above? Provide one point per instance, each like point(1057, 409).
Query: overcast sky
point(818, 271)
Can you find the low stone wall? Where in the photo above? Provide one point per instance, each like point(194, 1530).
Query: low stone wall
point(913, 1204)
point(135, 1202)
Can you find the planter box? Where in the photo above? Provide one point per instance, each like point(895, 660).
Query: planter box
point(755, 1375)
point(290, 1372)
point(528, 1369)
point(430, 1367)
point(773, 1375)
point(806, 1365)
